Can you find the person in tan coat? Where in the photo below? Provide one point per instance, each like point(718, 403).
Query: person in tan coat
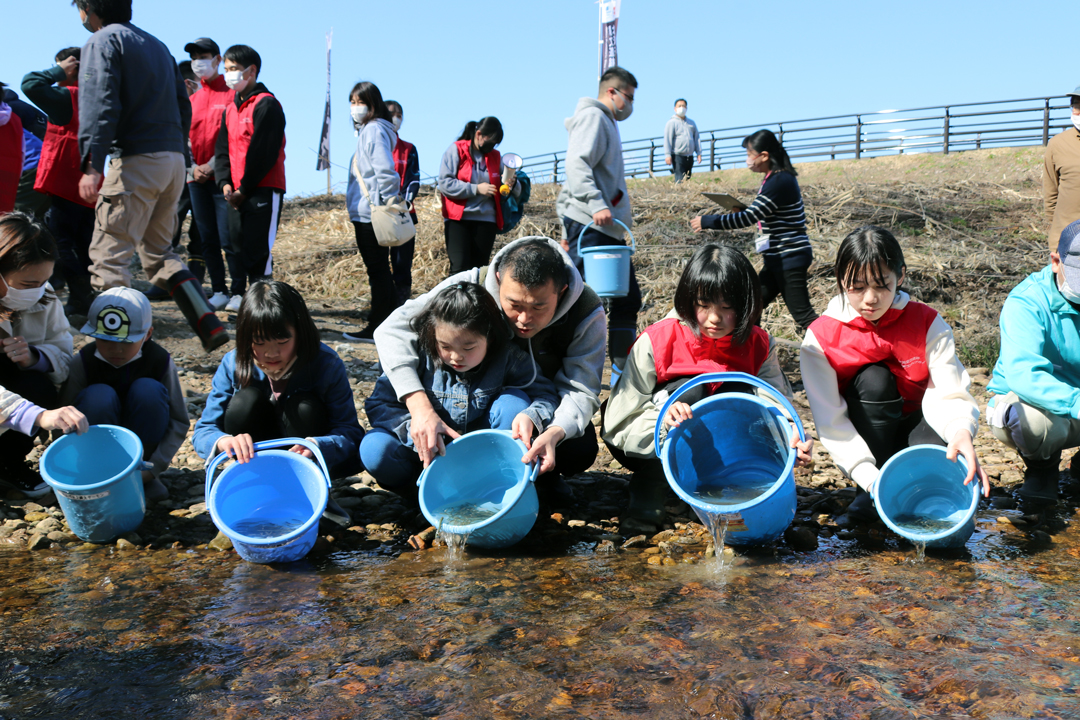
point(1061, 176)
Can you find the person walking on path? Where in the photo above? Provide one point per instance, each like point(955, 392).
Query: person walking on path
point(681, 143)
point(595, 192)
point(1061, 176)
point(133, 108)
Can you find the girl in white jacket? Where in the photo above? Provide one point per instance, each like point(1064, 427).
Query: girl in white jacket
point(35, 350)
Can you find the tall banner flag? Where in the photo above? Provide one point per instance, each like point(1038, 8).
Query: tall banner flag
point(324, 140)
point(609, 25)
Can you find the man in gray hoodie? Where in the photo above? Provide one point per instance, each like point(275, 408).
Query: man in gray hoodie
point(553, 316)
point(595, 192)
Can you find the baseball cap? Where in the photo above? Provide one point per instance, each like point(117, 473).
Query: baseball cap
point(120, 315)
point(202, 45)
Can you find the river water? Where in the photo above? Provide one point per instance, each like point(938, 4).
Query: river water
point(846, 631)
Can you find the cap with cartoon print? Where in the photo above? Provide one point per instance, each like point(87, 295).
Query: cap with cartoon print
point(120, 315)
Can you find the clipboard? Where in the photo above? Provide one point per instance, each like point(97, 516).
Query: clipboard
point(728, 202)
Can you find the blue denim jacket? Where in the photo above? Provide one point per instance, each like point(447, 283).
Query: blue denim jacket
point(461, 399)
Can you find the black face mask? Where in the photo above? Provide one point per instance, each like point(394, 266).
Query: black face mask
point(486, 148)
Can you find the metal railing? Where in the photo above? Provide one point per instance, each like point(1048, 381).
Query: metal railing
point(939, 128)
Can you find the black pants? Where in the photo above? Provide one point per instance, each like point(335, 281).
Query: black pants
point(72, 225)
point(791, 284)
point(252, 411)
point(384, 296)
point(577, 455)
point(401, 267)
point(623, 311)
point(260, 215)
point(29, 385)
point(682, 166)
point(195, 254)
point(468, 243)
point(877, 412)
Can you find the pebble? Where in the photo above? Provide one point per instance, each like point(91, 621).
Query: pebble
point(801, 539)
point(122, 544)
point(221, 542)
point(38, 542)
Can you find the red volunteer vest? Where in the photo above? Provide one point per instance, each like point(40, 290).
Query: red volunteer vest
point(453, 209)
point(11, 161)
point(207, 105)
point(679, 353)
point(401, 159)
point(898, 340)
point(240, 123)
point(59, 169)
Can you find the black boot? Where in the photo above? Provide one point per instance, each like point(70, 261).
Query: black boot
point(1041, 479)
point(648, 491)
point(80, 295)
point(860, 511)
point(187, 293)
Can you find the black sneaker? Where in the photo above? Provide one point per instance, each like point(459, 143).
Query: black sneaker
point(367, 335)
point(19, 476)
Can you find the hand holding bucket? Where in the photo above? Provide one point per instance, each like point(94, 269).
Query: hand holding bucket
point(607, 267)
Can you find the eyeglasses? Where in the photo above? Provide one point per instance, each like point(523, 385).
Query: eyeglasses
point(630, 98)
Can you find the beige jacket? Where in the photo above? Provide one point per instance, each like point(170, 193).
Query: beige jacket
point(1061, 183)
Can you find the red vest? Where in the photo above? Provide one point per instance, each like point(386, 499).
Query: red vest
point(401, 159)
point(59, 170)
point(207, 105)
point(679, 353)
point(240, 123)
point(11, 161)
point(898, 340)
point(453, 209)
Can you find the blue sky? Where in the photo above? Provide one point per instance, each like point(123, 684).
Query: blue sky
point(528, 63)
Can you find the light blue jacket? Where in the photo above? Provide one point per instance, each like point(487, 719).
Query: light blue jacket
point(1040, 347)
point(375, 158)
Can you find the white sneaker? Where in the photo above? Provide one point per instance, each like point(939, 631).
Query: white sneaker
point(234, 303)
point(219, 301)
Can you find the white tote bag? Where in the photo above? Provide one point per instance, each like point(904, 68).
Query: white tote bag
point(391, 222)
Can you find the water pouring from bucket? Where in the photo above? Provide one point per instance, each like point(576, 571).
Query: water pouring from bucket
point(270, 506)
point(607, 267)
point(480, 492)
point(511, 163)
point(732, 462)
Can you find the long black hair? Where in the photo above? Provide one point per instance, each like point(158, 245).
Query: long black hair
point(765, 141)
point(715, 273)
point(24, 242)
point(864, 252)
point(269, 310)
point(488, 127)
point(467, 306)
point(368, 93)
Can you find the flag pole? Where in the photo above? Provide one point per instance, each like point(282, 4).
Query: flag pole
point(329, 39)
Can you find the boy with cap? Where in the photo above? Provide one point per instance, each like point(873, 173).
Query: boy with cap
point(125, 378)
point(1036, 380)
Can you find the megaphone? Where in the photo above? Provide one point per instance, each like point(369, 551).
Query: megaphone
point(511, 163)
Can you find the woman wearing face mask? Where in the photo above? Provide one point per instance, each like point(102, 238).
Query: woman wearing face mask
point(469, 179)
point(373, 164)
point(35, 350)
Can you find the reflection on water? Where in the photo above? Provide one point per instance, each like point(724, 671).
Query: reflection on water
point(260, 528)
point(842, 632)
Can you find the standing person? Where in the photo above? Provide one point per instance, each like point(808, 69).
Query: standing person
point(407, 164)
point(681, 143)
point(881, 371)
point(469, 179)
point(249, 165)
point(779, 214)
point(1061, 175)
point(11, 155)
point(595, 192)
point(133, 108)
point(34, 126)
point(372, 167)
point(69, 218)
point(209, 209)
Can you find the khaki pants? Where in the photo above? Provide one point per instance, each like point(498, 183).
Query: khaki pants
point(1031, 431)
point(136, 210)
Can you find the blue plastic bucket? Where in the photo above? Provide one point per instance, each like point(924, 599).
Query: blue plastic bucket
point(483, 472)
point(733, 459)
point(920, 494)
point(607, 267)
point(270, 506)
point(97, 477)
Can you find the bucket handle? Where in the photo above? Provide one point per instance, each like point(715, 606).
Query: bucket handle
point(724, 377)
point(534, 466)
point(633, 246)
point(267, 445)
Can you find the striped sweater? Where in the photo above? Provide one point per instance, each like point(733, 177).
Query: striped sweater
point(779, 209)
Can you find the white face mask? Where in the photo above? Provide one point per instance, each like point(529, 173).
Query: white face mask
point(397, 122)
point(21, 299)
point(1076, 121)
point(203, 68)
point(680, 111)
point(1067, 292)
point(359, 113)
point(235, 80)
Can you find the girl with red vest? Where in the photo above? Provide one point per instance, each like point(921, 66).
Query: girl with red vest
point(11, 155)
point(469, 179)
point(713, 328)
point(881, 371)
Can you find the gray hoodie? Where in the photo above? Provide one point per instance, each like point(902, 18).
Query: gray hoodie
point(594, 168)
point(577, 381)
point(375, 159)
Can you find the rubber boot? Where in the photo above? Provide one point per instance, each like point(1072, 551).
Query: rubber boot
point(861, 510)
point(619, 342)
point(80, 295)
point(187, 293)
point(648, 490)
point(1041, 479)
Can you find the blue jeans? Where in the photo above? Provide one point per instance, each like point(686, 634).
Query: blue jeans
point(396, 466)
point(145, 410)
point(209, 210)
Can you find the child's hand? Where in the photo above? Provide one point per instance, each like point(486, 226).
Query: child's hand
point(66, 420)
point(962, 445)
point(523, 429)
point(239, 447)
point(543, 449)
point(695, 224)
point(18, 351)
point(301, 450)
point(804, 450)
point(677, 413)
point(427, 432)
